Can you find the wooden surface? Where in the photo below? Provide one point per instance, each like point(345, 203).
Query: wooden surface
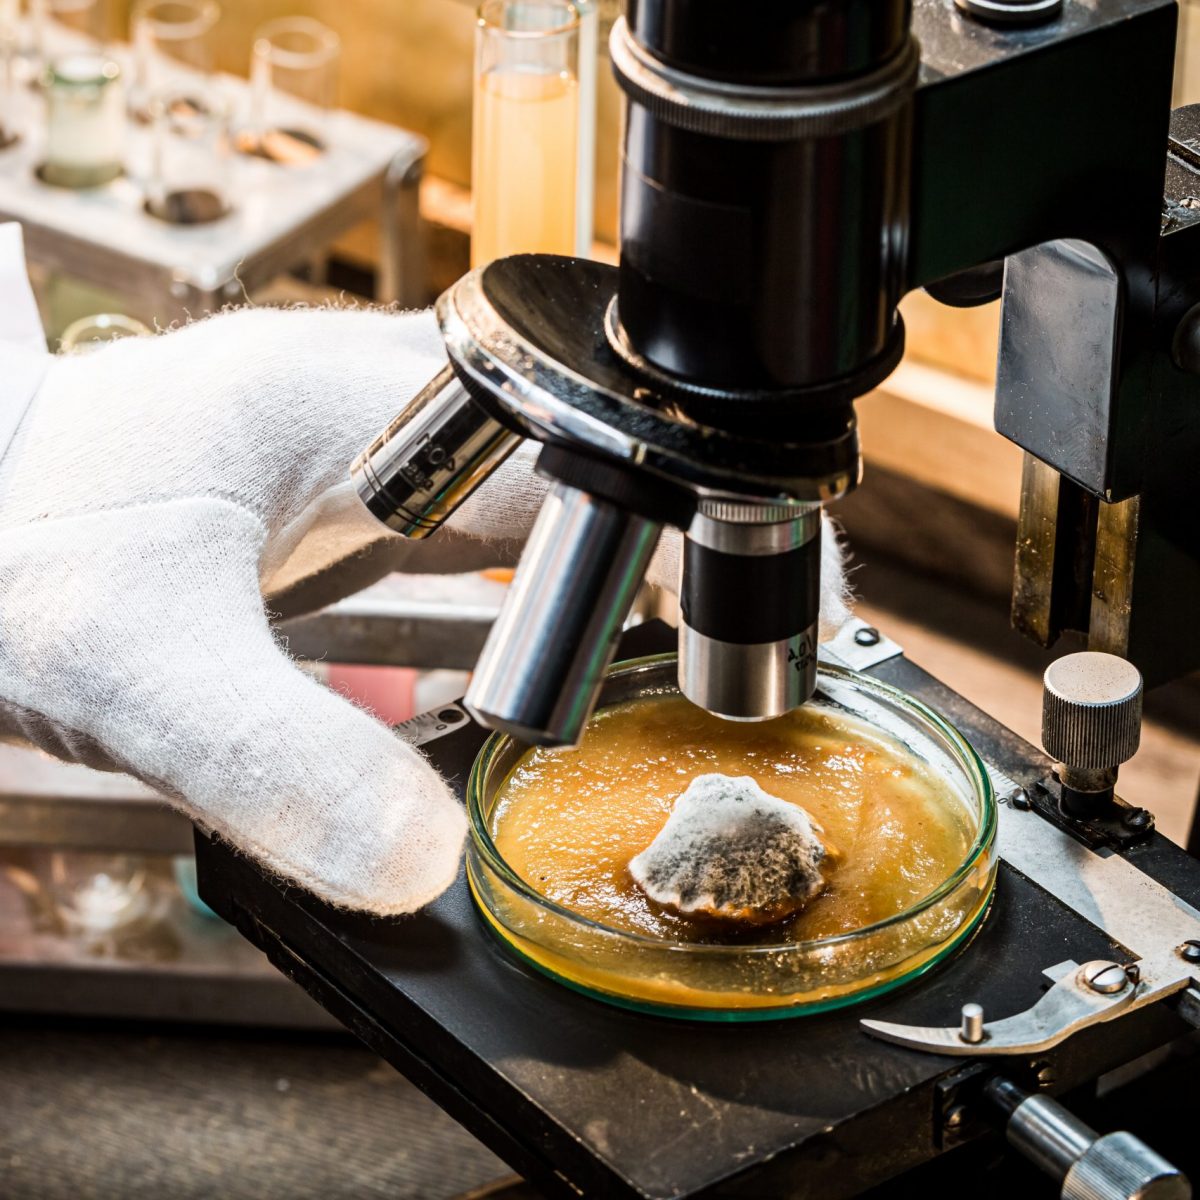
point(125, 1113)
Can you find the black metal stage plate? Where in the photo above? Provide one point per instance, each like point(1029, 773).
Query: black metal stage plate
point(582, 1097)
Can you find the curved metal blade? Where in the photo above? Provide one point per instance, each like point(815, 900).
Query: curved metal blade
point(1066, 1008)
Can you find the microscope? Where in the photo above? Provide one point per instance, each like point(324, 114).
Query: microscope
point(791, 169)
point(785, 180)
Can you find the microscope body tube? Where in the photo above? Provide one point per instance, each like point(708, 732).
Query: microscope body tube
point(544, 661)
point(777, 43)
point(765, 189)
point(749, 609)
point(431, 457)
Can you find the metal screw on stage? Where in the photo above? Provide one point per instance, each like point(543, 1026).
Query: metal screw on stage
point(955, 1119)
point(1189, 951)
point(1106, 978)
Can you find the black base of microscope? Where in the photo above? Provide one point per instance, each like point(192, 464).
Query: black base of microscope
point(584, 1098)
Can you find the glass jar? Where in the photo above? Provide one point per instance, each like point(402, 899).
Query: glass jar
point(59, 27)
point(85, 121)
point(585, 176)
point(189, 180)
point(738, 982)
point(9, 37)
point(95, 894)
point(91, 332)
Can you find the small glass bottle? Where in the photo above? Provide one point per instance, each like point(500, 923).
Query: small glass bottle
point(85, 121)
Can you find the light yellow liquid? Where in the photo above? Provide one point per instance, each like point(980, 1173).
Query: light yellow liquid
point(569, 821)
point(523, 168)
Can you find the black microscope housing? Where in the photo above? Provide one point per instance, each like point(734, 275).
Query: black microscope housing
point(763, 238)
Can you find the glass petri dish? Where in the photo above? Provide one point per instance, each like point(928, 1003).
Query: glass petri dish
point(703, 980)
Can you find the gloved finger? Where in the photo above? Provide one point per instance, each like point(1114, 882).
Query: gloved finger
point(264, 406)
point(346, 549)
point(336, 547)
point(142, 631)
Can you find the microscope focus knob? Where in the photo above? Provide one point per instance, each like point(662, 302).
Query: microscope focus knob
point(1119, 1166)
point(1086, 1165)
point(1091, 711)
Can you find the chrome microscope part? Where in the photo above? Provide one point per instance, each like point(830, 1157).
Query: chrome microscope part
point(430, 458)
point(529, 352)
point(1091, 724)
point(749, 607)
point(701, 376)
point(544, 661)
point(1115, 1166)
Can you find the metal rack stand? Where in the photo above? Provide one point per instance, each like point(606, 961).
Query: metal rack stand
point(281, 216)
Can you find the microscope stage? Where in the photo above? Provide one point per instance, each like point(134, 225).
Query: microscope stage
point(585, 1098)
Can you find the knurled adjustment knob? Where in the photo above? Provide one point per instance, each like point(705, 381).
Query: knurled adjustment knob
point(1091, 710)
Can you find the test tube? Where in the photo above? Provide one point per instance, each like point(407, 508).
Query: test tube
point(525, 140)
point(293, 78)
point(173, 44)
point(585, 186)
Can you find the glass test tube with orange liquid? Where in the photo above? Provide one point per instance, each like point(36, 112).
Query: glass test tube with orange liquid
point(526, 132)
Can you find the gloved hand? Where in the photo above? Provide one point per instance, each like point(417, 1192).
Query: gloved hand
point(155, 488)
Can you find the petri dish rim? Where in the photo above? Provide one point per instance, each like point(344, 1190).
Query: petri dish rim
point(732, 1016)
point(970, 761)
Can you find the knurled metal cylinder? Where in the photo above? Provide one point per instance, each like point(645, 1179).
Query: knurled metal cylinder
point(1120, 1166)
point(1115, 1166)
point(1091, 710)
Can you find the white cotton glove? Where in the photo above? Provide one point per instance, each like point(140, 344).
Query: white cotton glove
point(155, 488)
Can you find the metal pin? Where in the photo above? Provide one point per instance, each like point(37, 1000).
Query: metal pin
point(972, 1024)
